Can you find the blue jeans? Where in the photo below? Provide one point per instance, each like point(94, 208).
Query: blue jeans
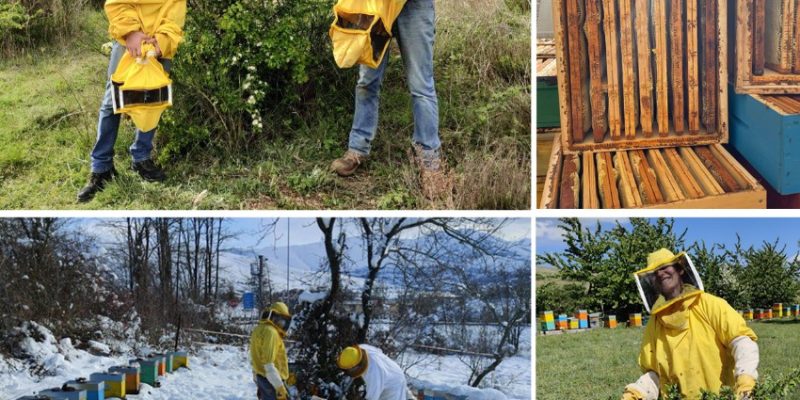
point(414, 29)
point(265, 389)
point(108, 124)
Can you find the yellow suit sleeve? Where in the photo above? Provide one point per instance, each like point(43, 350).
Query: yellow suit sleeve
point(170, 29)
point(122, 20)
point(647, 352)
point(727, 323)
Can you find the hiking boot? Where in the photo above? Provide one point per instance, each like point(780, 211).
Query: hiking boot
point(348, 163)
point(149, 171)
point(433, 179)
point(97, 182)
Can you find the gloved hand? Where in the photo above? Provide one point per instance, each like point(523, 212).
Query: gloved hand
point(632, 394)
point(282, 393)
point(744, 386)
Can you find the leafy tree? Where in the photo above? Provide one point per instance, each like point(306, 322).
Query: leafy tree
point(719, 277)
point(767, 275)
point(561, 298)
point(606, 260)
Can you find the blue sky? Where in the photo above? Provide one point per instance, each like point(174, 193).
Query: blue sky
point(753, 231)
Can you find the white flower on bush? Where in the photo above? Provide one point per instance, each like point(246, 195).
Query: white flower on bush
point(251, 100)
point(246, 85)
point(251, 68)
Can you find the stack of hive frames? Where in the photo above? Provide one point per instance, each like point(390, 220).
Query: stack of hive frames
point(641, 73)
point(766, 53)
point(705, 176)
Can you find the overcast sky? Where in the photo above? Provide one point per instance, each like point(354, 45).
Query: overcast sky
point(299, 230)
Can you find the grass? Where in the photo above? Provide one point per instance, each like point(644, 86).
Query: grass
point(599, 363)
point(48, 109)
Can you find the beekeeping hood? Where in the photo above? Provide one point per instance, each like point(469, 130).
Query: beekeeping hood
point(142, 88)
point(646, 278)
point(362, 29)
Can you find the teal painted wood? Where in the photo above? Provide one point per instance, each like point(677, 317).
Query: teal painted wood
point(768, 140)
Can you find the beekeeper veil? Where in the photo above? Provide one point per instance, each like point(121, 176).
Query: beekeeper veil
point(647, 283)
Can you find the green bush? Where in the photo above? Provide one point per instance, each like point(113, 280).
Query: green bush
point(250, 69)
point(25, 24)
point(783, 387)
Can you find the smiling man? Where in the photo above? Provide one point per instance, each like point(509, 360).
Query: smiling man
point(693, 339)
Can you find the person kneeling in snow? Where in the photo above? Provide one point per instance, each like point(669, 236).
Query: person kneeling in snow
point(693, 339)
point(382, 376)
point(268, 352)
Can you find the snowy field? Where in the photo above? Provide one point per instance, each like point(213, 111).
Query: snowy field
point(223, 372)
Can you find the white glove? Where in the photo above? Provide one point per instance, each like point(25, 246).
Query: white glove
point(274, 377)
point(745, 354)
point(647, 385)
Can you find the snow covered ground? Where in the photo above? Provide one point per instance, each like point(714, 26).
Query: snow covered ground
point(223, 372)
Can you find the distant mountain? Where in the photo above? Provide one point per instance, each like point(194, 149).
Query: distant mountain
point(304, 261)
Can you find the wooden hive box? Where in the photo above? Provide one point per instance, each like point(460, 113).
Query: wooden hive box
point(703, 176)
point(765, 130)
point(765, 57)
point(640, 73)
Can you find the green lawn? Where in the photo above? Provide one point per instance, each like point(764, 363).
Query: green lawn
point(49, 99)
point(599, 363)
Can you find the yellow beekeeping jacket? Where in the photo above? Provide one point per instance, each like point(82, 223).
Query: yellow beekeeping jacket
point(266, 346)
point(126, 16)
point(687, 342)
point(362, 29)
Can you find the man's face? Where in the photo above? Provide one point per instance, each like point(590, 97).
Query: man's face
point(668, 278)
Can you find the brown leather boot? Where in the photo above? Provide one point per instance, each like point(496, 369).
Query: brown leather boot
point(348, 163)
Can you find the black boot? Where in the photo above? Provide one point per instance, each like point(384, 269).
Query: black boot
point(149, 171)
point(97, 182)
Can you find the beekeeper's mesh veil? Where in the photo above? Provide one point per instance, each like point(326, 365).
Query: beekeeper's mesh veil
point(646, 278)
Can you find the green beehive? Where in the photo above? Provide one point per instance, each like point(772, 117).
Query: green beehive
point(148, 371)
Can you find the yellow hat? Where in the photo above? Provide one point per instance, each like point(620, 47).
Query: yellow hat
point(280, 308)
point(353, 360)
point(660, 258)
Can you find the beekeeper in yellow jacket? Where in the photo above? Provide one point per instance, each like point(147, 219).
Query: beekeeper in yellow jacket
point(693, 339)
point(131, 23)
point(268, 353)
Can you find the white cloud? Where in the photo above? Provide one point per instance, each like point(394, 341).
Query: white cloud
point(548, 229)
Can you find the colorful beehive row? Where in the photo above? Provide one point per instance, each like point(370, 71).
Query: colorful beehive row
point(118, 381)
point(635, 319)
point(548, 322)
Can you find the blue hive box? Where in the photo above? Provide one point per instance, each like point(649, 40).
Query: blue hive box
point(95, 390)
point(58, 394)
point(768, 136)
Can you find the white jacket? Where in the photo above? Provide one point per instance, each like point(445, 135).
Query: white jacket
point(383, 378)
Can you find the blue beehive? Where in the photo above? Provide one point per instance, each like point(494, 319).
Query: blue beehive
point(95, 390)
point(69, 394)
point(768, 138)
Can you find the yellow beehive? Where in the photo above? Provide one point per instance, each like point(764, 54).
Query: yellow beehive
point(777, 310)
point(573, 323)
point(115, 383)
point(635, 319)
point(748, 314)
point(180, 359)
point(769, 313)
point(611, 321)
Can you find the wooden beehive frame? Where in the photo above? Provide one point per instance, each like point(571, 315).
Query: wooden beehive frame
point(751, 71)
point(632, 105)
point(702, 176)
